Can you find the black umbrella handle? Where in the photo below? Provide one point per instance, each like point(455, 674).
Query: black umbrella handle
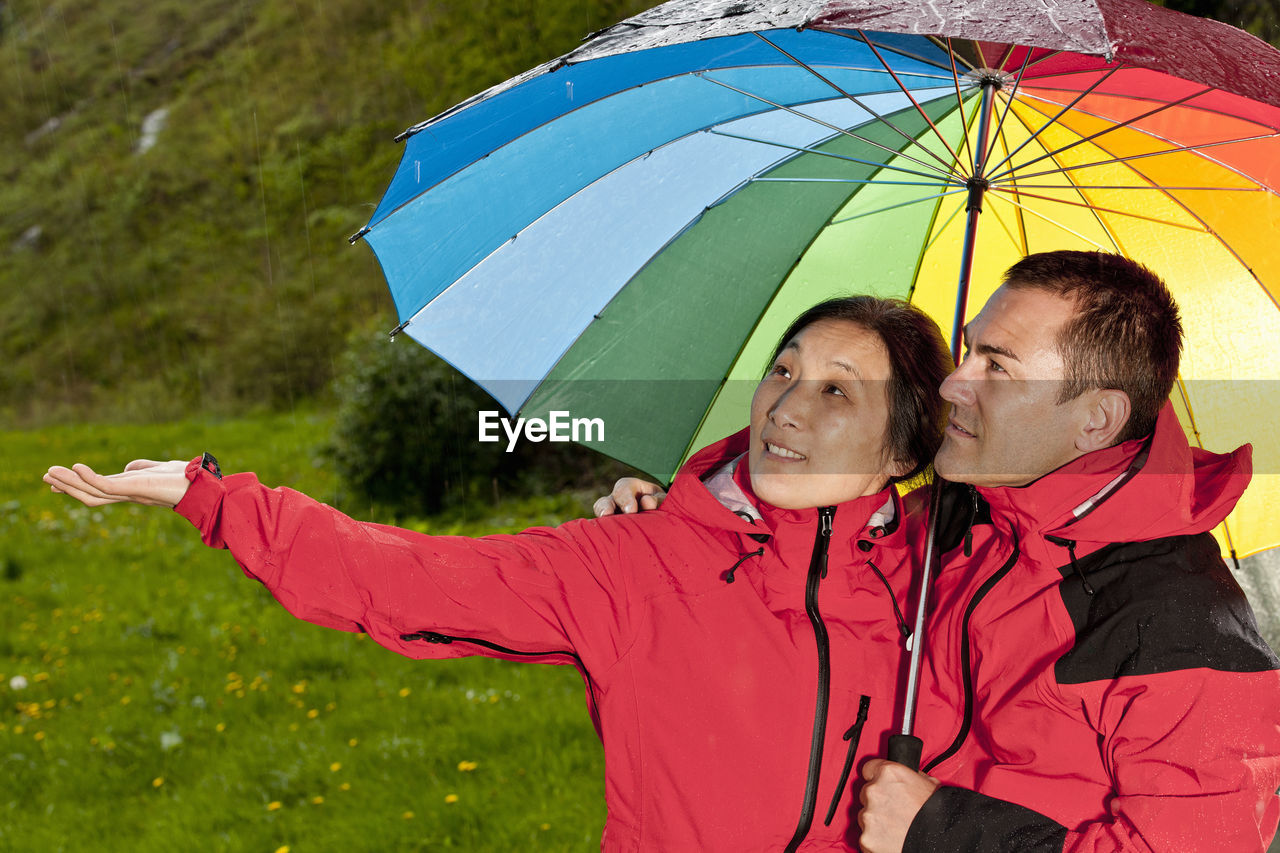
point(906, 749)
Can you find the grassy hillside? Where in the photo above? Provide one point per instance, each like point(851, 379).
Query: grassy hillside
point(210, 272)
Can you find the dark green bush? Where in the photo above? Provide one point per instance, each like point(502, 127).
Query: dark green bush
point(405, 437)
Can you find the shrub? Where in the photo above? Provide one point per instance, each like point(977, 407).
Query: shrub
point(405, 437)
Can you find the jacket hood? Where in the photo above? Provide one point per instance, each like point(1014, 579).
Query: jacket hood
point(1133, 492)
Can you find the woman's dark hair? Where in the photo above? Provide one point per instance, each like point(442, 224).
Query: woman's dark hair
point(918, 362)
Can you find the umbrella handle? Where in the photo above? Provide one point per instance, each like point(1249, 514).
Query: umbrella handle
point(906, 749)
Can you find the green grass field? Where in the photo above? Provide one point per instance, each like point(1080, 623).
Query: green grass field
point(170, 704)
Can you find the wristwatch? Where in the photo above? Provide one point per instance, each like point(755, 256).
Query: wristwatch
point(210, 464)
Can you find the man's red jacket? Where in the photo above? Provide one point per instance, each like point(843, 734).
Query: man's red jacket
point(737, 670)
point(1094, 670)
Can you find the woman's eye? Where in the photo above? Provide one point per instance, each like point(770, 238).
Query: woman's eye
point(836, 389)
point(780, 370)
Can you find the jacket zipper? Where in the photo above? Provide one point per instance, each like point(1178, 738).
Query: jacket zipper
point(817, 571)
point(852, 736)
point(965, 654)
point(447, 639)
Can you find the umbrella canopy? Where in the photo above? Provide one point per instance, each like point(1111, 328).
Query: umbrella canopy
point(623, 233)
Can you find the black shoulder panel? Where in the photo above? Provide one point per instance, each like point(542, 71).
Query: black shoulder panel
point(1160, 606)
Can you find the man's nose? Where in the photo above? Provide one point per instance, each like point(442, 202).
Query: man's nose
point(957, 388)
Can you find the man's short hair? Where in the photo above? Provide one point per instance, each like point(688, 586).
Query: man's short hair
point(1126, 333)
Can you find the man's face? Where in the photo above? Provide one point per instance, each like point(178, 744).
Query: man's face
point(1006, 427)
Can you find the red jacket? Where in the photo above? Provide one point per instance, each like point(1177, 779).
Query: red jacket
point(727, 723)
point(1092, 660)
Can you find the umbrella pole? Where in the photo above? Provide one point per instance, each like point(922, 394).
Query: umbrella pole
point(977, 185)
point(905, 747)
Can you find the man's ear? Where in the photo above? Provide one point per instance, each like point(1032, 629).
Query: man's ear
point(1107, 411)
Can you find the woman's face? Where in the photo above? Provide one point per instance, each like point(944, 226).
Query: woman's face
point(820, 419)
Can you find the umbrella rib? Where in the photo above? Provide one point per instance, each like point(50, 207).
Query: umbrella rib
point(1125, 96)
point(1055, 223)
point(1019, 241)
point(1208, 229)
point(896, 206)
point(891, 48)
point(854, 98)
point(821, 153)
point(1003, 137)
point(840, 181)
point(1008, 102)
point(955, 73)
point(955, 157)
point(1127, 186)
point(1227, 166)
point(1052, 121)
point(1050, 55)
point(1094, 207)
point(702, 75)
point(938, 234)
point(1105, 131)
point(1131, 157)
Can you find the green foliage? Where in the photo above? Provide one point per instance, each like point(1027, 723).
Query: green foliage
point(170, 704)
point(405, 438)
point(1260, 17)
point(211, 273)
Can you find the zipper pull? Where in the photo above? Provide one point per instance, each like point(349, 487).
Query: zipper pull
point(825, 516)
point(973, 514)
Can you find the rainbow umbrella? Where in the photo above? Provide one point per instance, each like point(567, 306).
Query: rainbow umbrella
point(622, 234)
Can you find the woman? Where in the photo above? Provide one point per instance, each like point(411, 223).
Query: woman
point(740, 647)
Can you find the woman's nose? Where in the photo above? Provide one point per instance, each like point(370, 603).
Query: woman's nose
point(788, 409)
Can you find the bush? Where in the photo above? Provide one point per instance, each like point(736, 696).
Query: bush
point(405, 437)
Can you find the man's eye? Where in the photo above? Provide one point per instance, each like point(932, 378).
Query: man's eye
point(836, 389)
point(995, 367)
point(780, 370)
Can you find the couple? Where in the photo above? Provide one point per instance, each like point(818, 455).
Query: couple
point(1094, 681)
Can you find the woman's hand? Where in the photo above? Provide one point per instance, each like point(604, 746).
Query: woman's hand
point(630, 494)
point(142, 482)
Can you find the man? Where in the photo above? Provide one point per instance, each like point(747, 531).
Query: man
point(1092, 669)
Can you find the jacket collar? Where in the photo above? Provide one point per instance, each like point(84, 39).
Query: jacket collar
point(1136, 491)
